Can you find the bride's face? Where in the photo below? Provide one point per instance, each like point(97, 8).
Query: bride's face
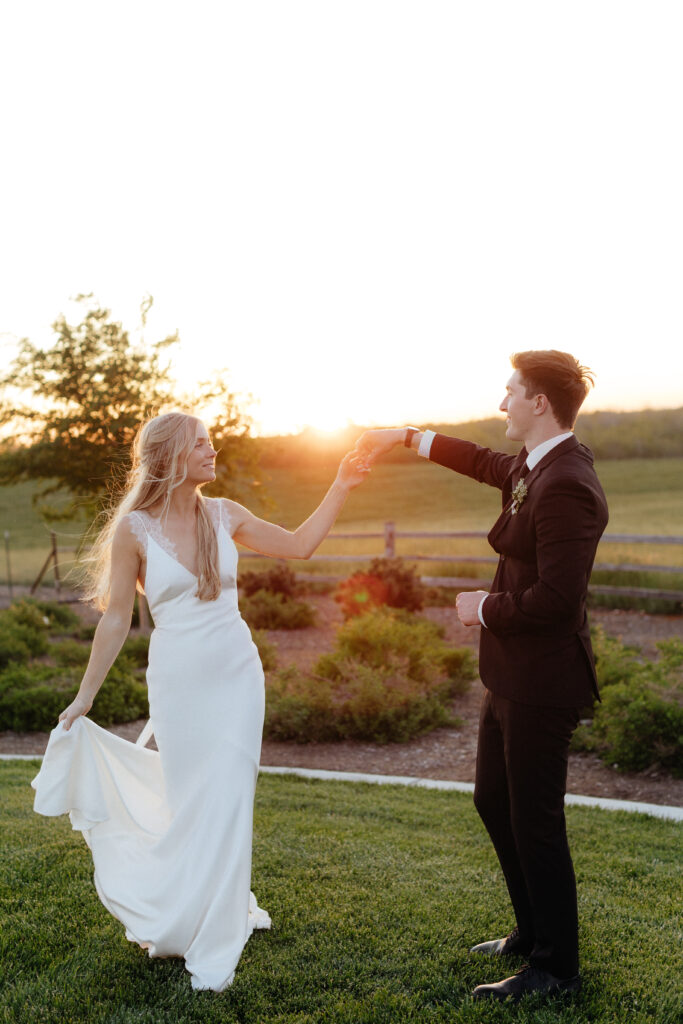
point(201, 460)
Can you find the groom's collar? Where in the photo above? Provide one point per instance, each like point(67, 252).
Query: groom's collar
point(534, 457)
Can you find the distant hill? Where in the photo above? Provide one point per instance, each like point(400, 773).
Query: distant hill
point(649, 433)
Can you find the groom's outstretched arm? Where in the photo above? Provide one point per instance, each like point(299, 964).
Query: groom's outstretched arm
point(464, 457)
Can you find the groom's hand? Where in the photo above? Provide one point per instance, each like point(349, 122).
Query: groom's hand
point(467, 606)
point(374, 443)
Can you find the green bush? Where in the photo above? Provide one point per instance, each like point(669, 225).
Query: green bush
point(32, 697)
point(28, 615)
point(387, 581)
point(69, 652)
point(382, 705)
point(62, 619)
point(23, 632)
point(265, 610)
point(639, 722)
point(389, 677)
point(13, 648)
point(614, 661)
point(278, 579)
point(267, 651)
point(637, 727)
point(136, 649)
point(399, 640)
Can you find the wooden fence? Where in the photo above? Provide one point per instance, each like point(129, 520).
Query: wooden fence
point(390, 535)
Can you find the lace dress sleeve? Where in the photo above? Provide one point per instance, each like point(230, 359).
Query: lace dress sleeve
point(137, 525)
point(219, 514)
point(226, 519)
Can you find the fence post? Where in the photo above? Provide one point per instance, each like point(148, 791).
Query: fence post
point(9, 566)
point(389, 540)
point(58, 582)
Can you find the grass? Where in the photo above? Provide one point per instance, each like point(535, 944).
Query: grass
point(375, 894)
point(645, 496)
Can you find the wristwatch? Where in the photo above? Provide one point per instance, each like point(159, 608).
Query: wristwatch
point(409, 435)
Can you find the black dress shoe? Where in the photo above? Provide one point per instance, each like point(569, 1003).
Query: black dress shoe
point(511, 945)
point(526, 982)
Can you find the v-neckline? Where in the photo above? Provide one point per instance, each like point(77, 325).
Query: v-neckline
point(173, 558)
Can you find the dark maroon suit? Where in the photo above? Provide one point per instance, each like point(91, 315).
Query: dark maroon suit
point(536, 663)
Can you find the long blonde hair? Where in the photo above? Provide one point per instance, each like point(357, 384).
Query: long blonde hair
point(160, 452)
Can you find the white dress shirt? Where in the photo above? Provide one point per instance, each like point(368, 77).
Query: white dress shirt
point(532, 460)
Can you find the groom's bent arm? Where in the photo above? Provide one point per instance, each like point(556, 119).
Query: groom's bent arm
point(568, 521)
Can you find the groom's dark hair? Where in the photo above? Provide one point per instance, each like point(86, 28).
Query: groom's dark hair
point(558, 376)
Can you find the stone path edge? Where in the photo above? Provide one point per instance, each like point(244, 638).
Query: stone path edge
point(656, 810)
point(571, 799)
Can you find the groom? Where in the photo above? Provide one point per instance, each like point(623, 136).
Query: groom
point(535, 657)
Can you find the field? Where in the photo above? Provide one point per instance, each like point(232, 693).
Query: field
point(376, 894)
point(645, 497)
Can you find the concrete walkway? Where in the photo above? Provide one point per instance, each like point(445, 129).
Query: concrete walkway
point(655, 810)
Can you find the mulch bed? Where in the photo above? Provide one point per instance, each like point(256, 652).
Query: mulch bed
point(443, 753)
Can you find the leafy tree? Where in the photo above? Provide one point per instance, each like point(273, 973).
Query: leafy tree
point(78, 403)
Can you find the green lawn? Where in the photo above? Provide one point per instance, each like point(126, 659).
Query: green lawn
point(375, 894)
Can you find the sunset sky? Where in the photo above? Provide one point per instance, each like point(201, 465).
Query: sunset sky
point(360, 208)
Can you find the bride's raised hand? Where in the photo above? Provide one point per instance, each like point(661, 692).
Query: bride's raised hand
point(79, 706)
point(353, 469)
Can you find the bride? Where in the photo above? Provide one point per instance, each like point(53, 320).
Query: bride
point(170, 831)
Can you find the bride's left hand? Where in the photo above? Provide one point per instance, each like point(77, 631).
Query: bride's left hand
point(353, 469)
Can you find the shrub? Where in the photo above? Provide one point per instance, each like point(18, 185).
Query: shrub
point(440, 597)
point(383, 705)
point(392, 638)
point(360, 594)
point(278, 579)
point(13, 648)
point(27, 614)
point(265, 610)
point(32, 697)
point(614, 662)
point(22, 633)
point(267, 651)
point(637, 727)
point(389, 677)
point(388, 581)
point(311, 585)
point(61, 618)
point(69, 652)
point(639, 723)
point(136, 649)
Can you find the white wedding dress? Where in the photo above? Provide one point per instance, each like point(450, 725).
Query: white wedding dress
point(171, 831)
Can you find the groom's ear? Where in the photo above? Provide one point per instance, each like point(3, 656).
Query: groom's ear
point(541, 404)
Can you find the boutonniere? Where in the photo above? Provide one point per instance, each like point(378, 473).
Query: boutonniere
point(519, 493)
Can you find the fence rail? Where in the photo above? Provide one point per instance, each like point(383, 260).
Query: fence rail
point(390, 535)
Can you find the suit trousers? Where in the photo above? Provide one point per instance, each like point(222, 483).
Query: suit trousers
point(519, 792)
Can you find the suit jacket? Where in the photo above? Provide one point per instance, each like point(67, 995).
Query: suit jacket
point(536, 648)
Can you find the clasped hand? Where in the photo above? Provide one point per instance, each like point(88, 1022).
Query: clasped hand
point(369, 447)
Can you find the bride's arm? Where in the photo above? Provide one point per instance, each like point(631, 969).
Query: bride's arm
point(112, 629)
point(269, 539)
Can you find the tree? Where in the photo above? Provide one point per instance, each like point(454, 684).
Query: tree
point(79, 403)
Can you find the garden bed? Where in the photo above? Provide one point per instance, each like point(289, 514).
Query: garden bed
point(445, 753)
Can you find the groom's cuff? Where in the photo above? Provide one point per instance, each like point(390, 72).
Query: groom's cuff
point(426, 443)
point(480, 612)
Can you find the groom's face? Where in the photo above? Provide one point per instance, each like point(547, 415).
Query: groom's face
point(518, 408)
